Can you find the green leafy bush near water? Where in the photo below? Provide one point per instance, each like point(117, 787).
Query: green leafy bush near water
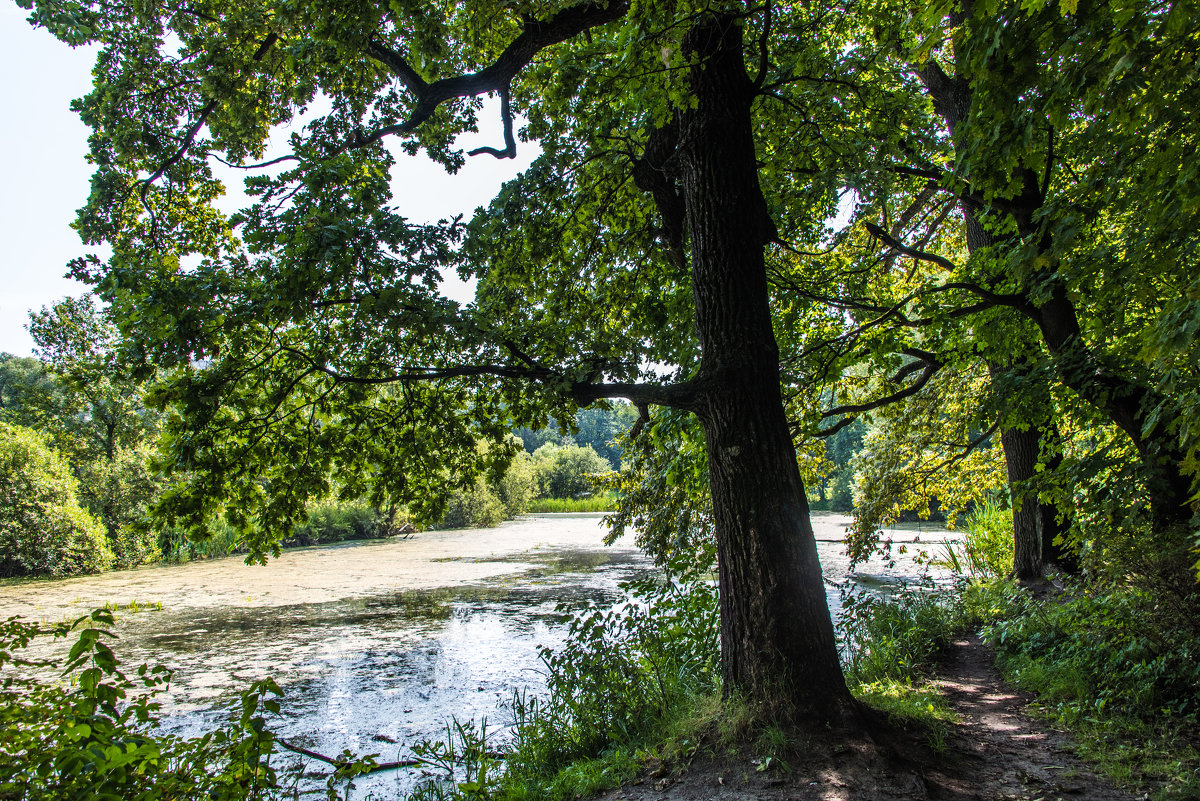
point(43, 529)
point(624, 682)
point(555, 478)
point(342, 521)
point(93, 736)
point(567, 471)
point(487, 501)
point(476, 506)
point(986, 548)
point(890, 647)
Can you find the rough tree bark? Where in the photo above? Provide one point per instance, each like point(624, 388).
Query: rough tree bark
point(777, 639)
point(1020, 456)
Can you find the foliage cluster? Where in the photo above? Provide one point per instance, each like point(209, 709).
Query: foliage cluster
point(890, 645)
point(567, 471)
point(599, 502)
point(897, 637)
point(625, 676)
point(595, 427)
point(1114, 663)
point(340, 521)
point(986, 548)
point(835, 488)
point(487, 500)
point(1124, 650)
point(43, 529)
point(95, 737)
point(622, 671)
point(555, 477)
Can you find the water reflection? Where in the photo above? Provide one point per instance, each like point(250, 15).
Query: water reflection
point(377, 645)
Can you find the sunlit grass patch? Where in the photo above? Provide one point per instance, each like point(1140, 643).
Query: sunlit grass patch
point(593, 503)
point(909, 704)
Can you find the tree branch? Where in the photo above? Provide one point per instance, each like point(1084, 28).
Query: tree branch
point(341, 763)
point(510, 143)
point(497, 77)
point(932, 365)
point(189, 136)
point(683, 396)
point(763, 55)
point(1017, 301)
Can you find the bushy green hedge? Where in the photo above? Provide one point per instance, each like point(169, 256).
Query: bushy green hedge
point(119, 492)
point(474, 507)
point(43, 529)
point(95, 737)
point(567, 471)
point(1121, 649)
point(484, 504)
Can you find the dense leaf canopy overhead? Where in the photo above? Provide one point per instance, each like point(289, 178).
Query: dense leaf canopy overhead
point(306, 336)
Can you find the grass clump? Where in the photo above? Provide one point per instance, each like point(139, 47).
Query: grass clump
point(986, 548)
point(633, 683)
point(600, 502)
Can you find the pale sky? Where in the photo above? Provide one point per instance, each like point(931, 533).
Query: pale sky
point(44, 174)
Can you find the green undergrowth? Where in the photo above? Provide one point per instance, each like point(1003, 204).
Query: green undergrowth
point(1118, 666)
point(93, 734)
point(890, 651)
point(604, 502)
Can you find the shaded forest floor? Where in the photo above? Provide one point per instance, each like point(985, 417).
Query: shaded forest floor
point(995, 750)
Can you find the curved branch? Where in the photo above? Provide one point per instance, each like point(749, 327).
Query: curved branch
point(510, 143)
point(1017, 301)
point(685, 396)
point(932, 365)
point(341, 763)
point(189, 136)
point(535, 36)
point(895, 244)
point(763, 54)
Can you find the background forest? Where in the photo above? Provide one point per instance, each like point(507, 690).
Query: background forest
point(79, 445)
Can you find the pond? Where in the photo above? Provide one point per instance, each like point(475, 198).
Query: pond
point(377, 644)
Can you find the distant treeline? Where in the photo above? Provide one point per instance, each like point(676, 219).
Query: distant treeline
point(80, 465)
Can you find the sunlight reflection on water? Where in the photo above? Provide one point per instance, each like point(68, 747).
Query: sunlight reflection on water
point(377, 645)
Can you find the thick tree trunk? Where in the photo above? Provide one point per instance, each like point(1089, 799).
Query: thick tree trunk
point(1128, 403)
point(1053, 520)
point(777, 641)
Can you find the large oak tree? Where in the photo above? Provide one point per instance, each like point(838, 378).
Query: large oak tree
point(305, 337)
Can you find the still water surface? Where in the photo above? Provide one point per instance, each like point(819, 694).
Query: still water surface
point(377, 644)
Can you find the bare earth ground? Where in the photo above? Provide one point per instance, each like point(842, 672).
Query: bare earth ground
point(996, 751)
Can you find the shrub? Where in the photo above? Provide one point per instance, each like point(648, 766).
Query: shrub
point(119, 492)
point(1116, 648)
point(475, 506)
point(517, 486)
point(95, 736)
point(897, 638)
point(43, 530)
point(621, 674)
point(987, 546)
point(338, 522)
point(567, 471)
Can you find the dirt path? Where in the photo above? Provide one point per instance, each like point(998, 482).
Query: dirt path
point(996, 751)
point(1007, 753)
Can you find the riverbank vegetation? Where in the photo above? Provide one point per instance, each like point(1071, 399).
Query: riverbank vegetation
point(77, 419)
point(902, 258)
